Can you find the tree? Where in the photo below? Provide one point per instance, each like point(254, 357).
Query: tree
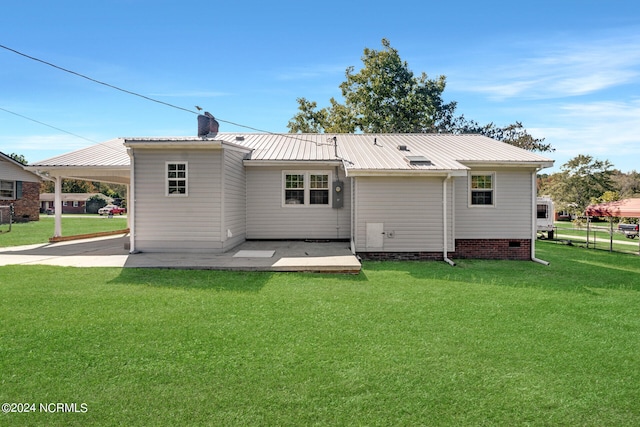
point(19, 158)
point(581, 180)
point(514, 134)
point(385, 96)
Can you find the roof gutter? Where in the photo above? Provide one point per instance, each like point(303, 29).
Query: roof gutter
point(445, 250)
point(534, 219)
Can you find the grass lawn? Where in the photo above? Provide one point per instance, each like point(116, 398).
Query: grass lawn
point(40, 231)
point(403, 343)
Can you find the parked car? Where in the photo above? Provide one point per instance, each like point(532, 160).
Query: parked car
point(112, 210)
point(629, 230)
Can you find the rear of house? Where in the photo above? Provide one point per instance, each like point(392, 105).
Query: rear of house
point(417, 196)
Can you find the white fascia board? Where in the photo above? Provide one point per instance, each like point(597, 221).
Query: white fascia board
point(304, 164)
point(405, 172)
point(507, 164)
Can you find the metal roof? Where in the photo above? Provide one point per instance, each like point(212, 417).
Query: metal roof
point(361, 154)
point(380, 152)
point(110, 154)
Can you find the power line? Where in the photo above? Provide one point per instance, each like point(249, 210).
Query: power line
point(292, 136)
point(48, 125)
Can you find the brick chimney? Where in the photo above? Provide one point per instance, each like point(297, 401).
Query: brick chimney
point(207, 124)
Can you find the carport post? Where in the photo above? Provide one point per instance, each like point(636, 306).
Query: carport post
point(57, 206)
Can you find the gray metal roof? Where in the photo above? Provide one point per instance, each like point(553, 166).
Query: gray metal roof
point(110, 154)
point(361, 153)
point(380, 152)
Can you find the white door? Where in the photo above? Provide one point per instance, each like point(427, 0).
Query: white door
point(375, 236)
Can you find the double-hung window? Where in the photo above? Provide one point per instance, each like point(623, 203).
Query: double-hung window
point(177, 179)
point(8, 190)
point(482, 187)
point(306, 188)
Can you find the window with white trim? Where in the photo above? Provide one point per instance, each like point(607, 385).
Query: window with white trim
point(8, 190)
point(482, 188)
point(76, 204)
point(177, 179)
point(306, 188)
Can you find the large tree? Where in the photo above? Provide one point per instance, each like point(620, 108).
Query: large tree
point(385, 96)
point(580, 181)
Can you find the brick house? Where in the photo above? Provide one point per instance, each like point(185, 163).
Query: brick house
point(19, 187)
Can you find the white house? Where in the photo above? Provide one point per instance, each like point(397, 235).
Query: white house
point(399, 196)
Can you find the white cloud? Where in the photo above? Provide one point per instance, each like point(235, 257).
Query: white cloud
point(556, 69)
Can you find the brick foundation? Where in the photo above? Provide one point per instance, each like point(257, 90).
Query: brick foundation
point(402, 256)
point(515, 249)
point(507, 249)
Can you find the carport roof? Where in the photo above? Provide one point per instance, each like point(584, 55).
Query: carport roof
point(620, 208)
point(106, 162)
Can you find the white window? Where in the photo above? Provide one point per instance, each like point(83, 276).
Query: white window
point(8, 190)
point(177, 179)
point(76, 204)
point(482, 189)
point(306, 188)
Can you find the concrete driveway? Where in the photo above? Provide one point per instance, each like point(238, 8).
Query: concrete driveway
point(334, 257)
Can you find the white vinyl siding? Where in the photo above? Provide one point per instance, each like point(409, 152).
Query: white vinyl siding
point(512, 213)
point(187, 223)
point(410, 209)
point(268, 217)
point(235, 200)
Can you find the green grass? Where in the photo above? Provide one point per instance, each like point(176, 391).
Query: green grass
point(483, 343)
point(40, 231)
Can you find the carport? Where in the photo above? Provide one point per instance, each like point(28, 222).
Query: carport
point(104, 162)
point(629, 208)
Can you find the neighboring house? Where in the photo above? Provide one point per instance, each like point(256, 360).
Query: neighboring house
point(19, 187)
point(399, 196)
point(72, 203)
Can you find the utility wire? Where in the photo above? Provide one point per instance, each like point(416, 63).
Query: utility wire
point(48, 125)
point(292, 136)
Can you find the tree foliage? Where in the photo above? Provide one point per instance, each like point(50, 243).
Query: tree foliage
point(385, 96)
point(580, 181)
point(19, 158)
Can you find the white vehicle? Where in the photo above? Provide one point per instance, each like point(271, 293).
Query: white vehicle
point(545, 215)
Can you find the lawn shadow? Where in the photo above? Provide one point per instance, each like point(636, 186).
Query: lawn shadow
point(214, 280)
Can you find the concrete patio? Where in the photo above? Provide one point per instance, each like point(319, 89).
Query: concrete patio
point(301, 256)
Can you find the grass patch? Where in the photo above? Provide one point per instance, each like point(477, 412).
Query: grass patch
point(406, 343)
point(34, 232)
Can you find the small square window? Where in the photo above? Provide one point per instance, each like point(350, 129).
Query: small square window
point(481, 190)
point(7, 190)
point(176, 178)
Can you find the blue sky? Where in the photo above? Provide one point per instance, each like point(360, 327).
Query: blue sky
point(569, 70)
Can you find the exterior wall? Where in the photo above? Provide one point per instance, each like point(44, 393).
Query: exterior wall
point(235, 199)
point(411, 211)
point(267, 218)
point(70, 209)
point(27, 206)
point(179, 223)
point(511, 216)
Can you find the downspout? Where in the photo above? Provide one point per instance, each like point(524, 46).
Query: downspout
point(534, 218)
point(352, 214)
point(131, 194)
point(445, 233)
point(57, 207)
